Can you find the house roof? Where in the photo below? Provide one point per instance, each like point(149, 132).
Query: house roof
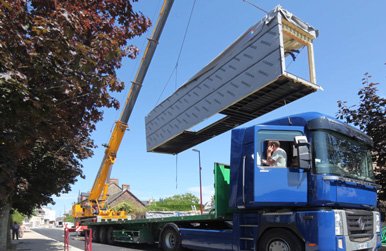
point(115, 196)
point(116, 185)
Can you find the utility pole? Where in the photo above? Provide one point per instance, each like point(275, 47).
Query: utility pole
point(199, 171)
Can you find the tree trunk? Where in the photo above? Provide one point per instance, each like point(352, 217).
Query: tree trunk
point(4, 226)
point(9, 235)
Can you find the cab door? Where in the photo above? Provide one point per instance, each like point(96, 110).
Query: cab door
point(278, 186)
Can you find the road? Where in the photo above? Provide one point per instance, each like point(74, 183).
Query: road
point(58, 234)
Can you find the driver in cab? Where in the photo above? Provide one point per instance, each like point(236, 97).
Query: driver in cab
point(276, 156)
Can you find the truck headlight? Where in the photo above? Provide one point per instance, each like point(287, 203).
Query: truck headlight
point(377, 222)
point(338, 222)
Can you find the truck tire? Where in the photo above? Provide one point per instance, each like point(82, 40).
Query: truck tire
point(95, 234)
point(102, 235)
point(280, 239)
point(170, 240)
point(109, 236)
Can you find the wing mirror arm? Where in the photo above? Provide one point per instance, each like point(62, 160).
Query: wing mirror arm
point(303, 152)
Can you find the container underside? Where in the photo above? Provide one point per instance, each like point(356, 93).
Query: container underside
point(285, 89)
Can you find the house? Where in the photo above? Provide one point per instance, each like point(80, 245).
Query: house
point(42, 217)
point(117, 194)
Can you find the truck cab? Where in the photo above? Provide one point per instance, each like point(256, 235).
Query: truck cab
point(323, 199)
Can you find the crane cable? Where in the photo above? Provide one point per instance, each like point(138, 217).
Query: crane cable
point(182, 45)
point(256, 6)
point(179, 55)
point(292, 54)
point(137, 62)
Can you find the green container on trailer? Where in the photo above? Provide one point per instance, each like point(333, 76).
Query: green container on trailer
point(222, 190)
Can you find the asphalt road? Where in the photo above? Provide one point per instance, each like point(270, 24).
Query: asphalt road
point(58, 234)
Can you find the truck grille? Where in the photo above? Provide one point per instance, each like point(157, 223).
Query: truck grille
point(360, 225)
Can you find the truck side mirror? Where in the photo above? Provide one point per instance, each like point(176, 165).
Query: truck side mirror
point(303, 152)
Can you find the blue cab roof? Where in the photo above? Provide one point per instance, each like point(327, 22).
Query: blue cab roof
point(300, 119)
point(316, 120)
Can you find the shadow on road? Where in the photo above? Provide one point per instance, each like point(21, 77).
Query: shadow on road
point(27, 244)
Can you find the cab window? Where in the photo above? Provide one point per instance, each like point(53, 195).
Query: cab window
point(284, 154)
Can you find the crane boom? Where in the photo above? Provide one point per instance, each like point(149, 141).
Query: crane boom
point(121, 125)
point(98, 192)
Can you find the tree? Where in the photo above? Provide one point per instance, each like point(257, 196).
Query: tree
point(17, 217)
point(69, 218)
point(130, 209)
point(370, 117)
point(180, 202)
point(58, 62)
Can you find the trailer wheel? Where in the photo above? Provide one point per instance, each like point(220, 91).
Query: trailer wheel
point(95, 234)
point(280, 240)
point(171, 240)
point(109, 236)
point(102, 235)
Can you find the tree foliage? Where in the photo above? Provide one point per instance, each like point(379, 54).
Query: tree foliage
point(130, 209)
point(69, 218)
point(18, 217)
point(124, 206)
point(57, 70)
point(180, 202)
point(370, 117)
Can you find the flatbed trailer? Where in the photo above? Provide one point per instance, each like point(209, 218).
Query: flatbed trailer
point(160, 230)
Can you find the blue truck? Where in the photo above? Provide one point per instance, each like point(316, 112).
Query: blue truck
point(323, 199)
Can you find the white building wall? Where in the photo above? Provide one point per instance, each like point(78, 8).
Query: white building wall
point(49, 214)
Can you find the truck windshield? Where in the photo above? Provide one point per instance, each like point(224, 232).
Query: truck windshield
point(337, 154)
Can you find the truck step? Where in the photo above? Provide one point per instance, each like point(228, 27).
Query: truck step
point(249, 225)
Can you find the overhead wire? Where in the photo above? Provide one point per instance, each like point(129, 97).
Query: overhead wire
point(144, 43)
point(256, 6)
point(141, 49)
point(266, 12)
point(165, 85)
point(179, 54)
point(186, 32)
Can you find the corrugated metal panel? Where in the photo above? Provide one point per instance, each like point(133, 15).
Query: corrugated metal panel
point(244, 82)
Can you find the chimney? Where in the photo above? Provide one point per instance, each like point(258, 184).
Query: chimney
point(125, 187)
point(114, 181)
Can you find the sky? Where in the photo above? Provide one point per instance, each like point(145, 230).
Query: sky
point(351, 42)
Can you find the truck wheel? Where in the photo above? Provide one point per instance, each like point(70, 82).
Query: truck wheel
point(171, 240)
point(95, 234)
point(109, 237)
point(280, 240)
point(102, 235)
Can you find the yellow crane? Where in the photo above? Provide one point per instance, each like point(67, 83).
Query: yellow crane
point(94, 207)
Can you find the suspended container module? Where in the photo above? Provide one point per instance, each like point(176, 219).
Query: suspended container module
point(245, 81)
